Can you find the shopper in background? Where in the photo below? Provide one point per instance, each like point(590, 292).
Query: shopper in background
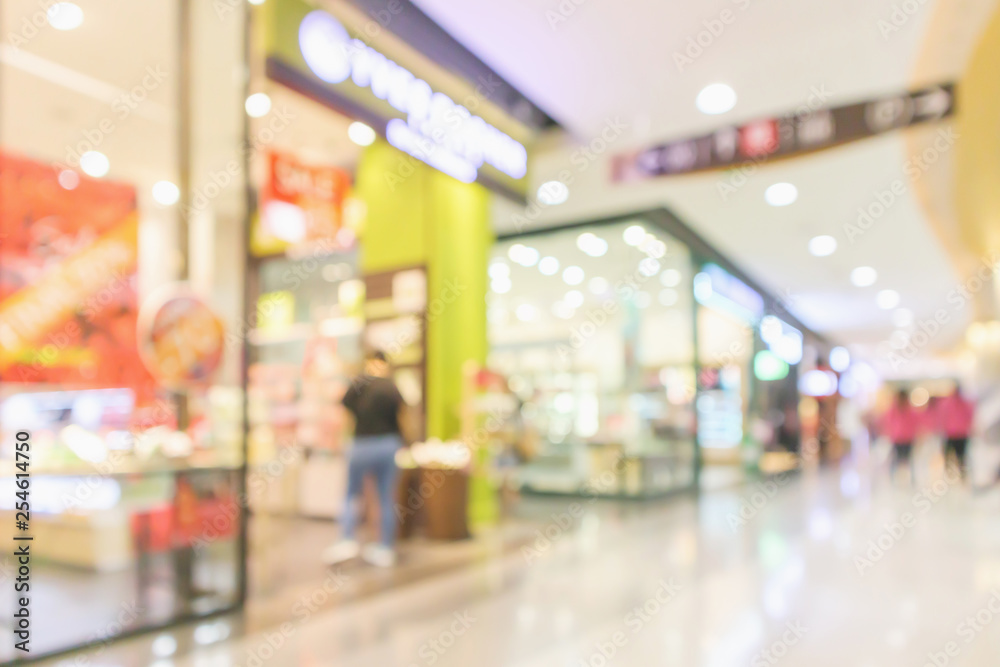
point(378, 410)
point(955, 415)
point(899, 424)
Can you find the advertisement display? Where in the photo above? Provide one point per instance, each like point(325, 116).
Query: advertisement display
point(68, 303)
point(181, 340)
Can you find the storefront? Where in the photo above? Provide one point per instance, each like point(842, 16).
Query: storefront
point(642, 364)
point(122, 218)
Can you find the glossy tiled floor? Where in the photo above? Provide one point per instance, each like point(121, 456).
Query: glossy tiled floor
point(837, 567)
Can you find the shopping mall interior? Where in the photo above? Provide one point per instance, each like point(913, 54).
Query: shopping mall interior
point(574, 332)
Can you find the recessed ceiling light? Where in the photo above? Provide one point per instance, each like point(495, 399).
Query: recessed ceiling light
point(573, 275)
point(94, 163)
point(549, 266)
point(166, 193)
point(598, 285)
point(649, 267)
point(358, 132)
point(69, 179)
point(257, 105)
point(840, 359)
point(523, 255)
point(715, 99)
point(822, 246)
point(501, 285)
point(591, 244)
point(499, 270)
point(553, 193)
point(256, 2)
point(670, 278)
point(864, 276)
point(634, 235)
point(64, 16)
point(573, 298)
point(887, 299)
point(781, 194)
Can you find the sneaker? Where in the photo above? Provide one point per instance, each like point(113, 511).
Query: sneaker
point(378, 555)
point(338, 552)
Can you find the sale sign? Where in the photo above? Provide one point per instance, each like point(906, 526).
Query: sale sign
point(68, 258)
point(181, 339)
point(301, 203)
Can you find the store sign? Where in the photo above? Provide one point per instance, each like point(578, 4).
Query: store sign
point(782, 339)
point(302, 202)
point(437, 131)
point(786, 135)
point(181, 339)
point(716, 288)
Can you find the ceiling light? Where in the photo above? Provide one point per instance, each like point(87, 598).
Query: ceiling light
point(94, 164)
point(256, 2)
point(592, 244)
point(499, 270)
point(553, 193)
point(781, 194)
point(64, 16)
point(840, 359)
point(715, 99)
point(654, 247)
point(523, 255)
point(887, 299)
point(258, 104)
point(68, 179)
point(598, 285)
point(902, 317)
point(166, 193)
point(549, 266)
point(573, 275)
point(864, 276)
point(634, 235)
point(357, 132)
point(822, 246)
point(649, 267)
point(501, 285)
point(670, 278)
point(573, 298)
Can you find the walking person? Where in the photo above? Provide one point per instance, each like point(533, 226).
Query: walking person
point(955, 415)
point(899, 424)
point(378, 409)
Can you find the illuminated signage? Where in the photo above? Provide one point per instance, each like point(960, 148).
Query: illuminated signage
point(445, 135)
point(782, 339)
point(716, 288)
point(791, 134)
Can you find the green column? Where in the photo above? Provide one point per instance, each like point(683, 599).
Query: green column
point(417, 215)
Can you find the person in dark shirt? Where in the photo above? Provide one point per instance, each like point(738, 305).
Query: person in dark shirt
point(377, 408)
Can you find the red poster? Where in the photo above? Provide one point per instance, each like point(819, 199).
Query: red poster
point(302, 202)
point(68, 301)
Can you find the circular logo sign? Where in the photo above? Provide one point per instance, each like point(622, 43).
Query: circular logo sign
point(323, 41)
point(181, 339)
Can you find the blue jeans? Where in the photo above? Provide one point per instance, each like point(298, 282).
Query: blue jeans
point(373, 455)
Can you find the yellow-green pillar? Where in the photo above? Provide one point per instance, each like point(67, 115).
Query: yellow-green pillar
point(418, 215)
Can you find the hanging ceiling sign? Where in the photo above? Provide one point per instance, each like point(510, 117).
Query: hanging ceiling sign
point(787, 135)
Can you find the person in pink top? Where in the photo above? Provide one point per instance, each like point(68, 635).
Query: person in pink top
point(955, 421)
point(899, 424)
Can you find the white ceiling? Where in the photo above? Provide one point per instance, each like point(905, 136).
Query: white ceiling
point(616, 60)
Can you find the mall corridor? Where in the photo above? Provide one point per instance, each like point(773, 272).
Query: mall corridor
point(831, 567)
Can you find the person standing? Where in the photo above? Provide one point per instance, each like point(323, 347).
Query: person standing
point(955, 415)
point(378, 409)
point(899, 424)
